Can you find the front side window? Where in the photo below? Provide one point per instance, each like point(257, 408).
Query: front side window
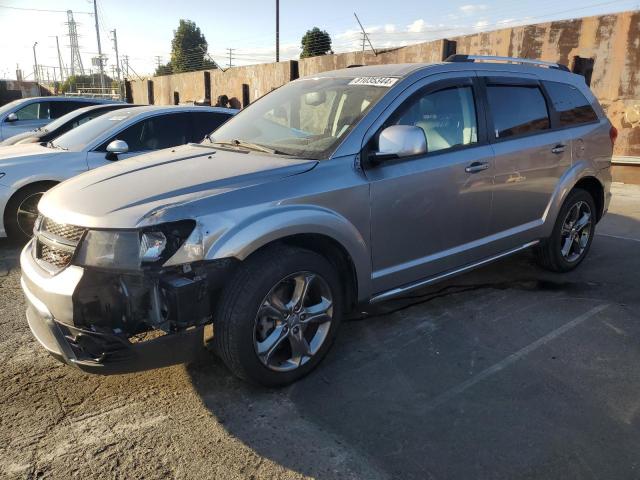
point(306, 118)
point(34, 111)
point(447, 117)
point(517, 110)
point(154, 133)
point(572, 106)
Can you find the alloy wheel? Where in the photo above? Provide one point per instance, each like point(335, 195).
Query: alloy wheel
point(27, 213)
point(576, 232)
point(293, 321)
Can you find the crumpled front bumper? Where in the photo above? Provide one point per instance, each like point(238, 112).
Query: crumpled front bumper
point(50, 317)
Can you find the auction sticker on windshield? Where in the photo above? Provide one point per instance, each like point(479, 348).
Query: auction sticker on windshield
point(374, 81)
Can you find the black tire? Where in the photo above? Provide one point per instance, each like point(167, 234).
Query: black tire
point(549, 252)
point(236, 313)
point(30, 195)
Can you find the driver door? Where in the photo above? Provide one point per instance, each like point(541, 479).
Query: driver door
point(144, 136)
point(430, 212)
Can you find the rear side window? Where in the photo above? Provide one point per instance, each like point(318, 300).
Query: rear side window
point(206, 122)
point(61, 108)
point(517, 110)
point(572, 106)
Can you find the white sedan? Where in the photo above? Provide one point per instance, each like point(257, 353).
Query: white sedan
point(27, 171)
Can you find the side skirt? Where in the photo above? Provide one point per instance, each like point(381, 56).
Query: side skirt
point(380, 297)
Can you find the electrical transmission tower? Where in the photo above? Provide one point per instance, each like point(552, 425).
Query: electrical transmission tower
point(76, 59)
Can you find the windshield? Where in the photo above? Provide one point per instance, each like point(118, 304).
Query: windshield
point(10, 106)
point(50, 127)
point(305, 118)
point(86, 133)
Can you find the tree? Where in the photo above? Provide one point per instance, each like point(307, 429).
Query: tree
point(188, 49)
point(163, 70)
point(72, 83)
point(315, 42)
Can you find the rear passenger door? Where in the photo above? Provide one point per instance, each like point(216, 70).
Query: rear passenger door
point(530, 156)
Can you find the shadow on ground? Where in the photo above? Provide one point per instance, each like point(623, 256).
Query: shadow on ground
point(390, 388)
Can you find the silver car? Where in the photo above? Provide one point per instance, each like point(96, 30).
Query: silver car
point(349, 187)
point(27, 114)
point(27, 171)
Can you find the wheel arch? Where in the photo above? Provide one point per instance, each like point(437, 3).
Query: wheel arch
point(314, 228)
point(48, 183)
point(592, 185)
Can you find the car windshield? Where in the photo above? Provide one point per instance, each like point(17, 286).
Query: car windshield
point(50, 127)
point(86, 133)
point(306, 118)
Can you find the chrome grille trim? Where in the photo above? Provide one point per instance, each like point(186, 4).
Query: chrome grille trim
point(55, 243)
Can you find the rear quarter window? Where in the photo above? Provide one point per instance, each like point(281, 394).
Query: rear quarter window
point(517, 110)
point(572, 106)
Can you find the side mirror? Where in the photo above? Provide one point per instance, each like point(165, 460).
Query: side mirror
point(399, 141)
point(116, 147)
point(12, 117)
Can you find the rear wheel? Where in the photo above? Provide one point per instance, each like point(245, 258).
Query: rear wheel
point(22, 211)
point(279, 315)
point(572, 234)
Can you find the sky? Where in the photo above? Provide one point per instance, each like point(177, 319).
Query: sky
point(145, 28)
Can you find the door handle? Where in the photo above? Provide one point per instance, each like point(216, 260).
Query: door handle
point(476, 167)
point(558, 149)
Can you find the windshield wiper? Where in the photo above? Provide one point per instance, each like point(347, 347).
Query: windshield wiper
point(251, 146)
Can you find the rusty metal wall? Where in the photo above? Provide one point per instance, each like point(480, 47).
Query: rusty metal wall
point(613, 41)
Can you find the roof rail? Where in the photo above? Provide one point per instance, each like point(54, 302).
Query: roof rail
point(457, 58)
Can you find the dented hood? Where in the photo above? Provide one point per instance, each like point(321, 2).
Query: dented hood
point(122, 194)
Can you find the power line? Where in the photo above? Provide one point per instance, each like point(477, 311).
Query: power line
point(40, 10)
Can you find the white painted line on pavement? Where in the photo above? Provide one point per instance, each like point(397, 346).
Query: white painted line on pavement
point(618, 237)
point(514, 357)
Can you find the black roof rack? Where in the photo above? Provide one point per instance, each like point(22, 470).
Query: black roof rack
point(458, 58)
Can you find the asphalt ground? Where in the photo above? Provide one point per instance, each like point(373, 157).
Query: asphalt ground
point(507, 372)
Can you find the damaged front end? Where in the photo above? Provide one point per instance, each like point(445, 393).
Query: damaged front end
point(131, 310)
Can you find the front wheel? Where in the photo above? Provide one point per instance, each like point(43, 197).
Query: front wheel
point(572, 234)
point(278, 316)
point(21, 211)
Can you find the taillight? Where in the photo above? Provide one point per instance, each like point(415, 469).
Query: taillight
point(613, 134)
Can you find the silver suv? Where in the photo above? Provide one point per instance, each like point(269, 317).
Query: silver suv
point(348, 187)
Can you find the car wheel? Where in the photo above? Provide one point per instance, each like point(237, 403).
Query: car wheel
point(572, 234)
point(22, 211)
point(278, 316)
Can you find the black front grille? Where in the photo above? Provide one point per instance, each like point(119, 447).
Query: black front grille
point(56, 243)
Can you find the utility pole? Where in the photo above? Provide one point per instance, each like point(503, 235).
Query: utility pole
point(95, 14)
point(35, 64)
point(230, 50)
point(158, 60)
point(115, 46)
point(60, 60)
point(277, 30)
point(365, 36)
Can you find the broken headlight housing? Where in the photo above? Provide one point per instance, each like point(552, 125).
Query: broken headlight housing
point(133, 249)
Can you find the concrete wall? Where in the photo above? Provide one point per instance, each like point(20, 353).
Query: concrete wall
point(13, 89)
point(613, 41)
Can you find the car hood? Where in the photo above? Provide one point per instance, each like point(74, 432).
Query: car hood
point(121, 195)
point(32, 135)
point(21, 153)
